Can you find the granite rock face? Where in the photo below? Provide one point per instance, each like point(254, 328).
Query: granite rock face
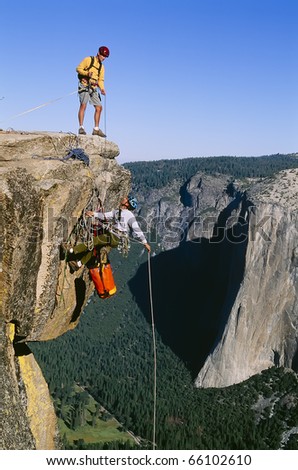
point(42, 199)
point(262, 327)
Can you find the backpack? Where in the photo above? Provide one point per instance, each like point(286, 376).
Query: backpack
point(103, 280)
point(90, 67)
point(78, 154)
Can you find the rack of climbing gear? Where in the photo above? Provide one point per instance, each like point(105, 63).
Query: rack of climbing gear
point(84, 230)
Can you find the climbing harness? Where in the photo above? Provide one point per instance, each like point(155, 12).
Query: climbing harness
point(123, 245)
point(86, 230)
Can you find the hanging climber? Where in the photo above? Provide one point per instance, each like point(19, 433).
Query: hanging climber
point(115, 228)
point(119, 224)
point(124, 221)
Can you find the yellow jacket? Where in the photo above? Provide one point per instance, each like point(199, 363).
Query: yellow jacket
point(95, 79)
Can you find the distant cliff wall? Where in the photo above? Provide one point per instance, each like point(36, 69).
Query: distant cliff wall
point(42, 198)
point(226, 284)
point(262, 328)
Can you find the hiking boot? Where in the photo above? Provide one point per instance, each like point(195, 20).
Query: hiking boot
point(67, 248)
point(82, 131)
point(98, 132)
point(74, 265)
point(104, 254)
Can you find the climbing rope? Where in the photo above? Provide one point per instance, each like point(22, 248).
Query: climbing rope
point(38, 107)
point(105, 114)
point(154, 354)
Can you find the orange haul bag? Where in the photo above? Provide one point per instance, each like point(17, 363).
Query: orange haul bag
point(103, 280)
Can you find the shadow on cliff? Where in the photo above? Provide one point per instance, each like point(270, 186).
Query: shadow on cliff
point(80, 287)
point(194, 288)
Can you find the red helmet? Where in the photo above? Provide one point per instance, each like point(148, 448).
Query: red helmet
point(103, 50)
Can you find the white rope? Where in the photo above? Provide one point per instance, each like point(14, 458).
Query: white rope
point(38, 107)
point(154, 353)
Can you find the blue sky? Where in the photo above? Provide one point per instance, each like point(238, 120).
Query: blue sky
point(191, 78)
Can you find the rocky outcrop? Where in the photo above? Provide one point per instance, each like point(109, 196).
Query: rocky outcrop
point(42, 198)
point(262, 327)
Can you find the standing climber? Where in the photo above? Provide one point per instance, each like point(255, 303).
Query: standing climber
point(91, 77)
point(123, 224)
